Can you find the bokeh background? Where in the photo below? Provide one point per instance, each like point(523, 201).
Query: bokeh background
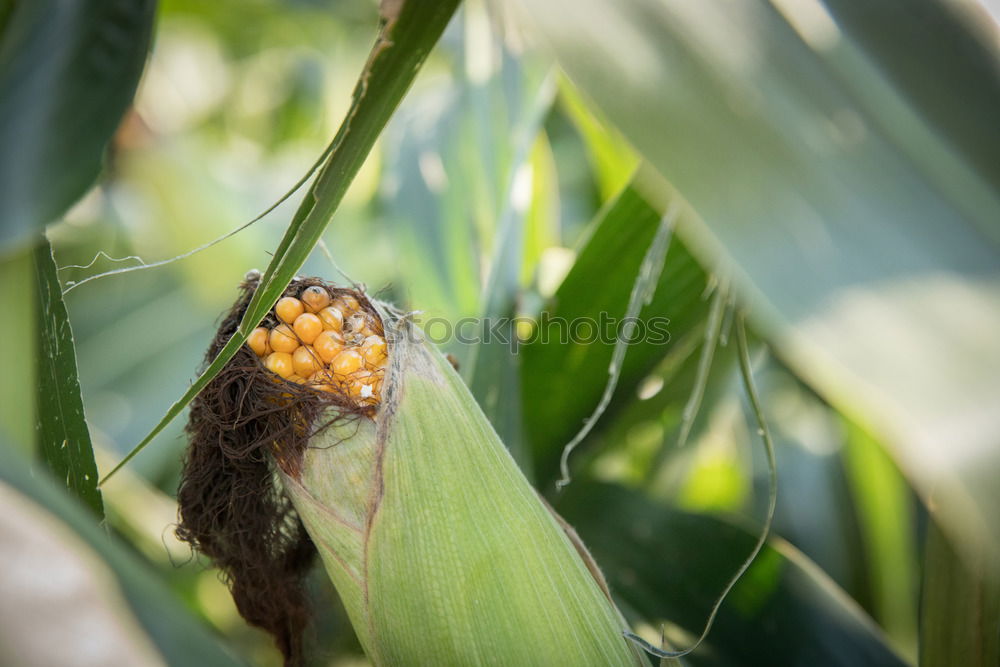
point(495, 170)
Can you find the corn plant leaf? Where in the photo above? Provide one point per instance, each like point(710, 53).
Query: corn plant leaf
point(664, 565)
point(63, 437)
point(493, 365)
point(960, 608)
point(854, 193)
point(179, 636)
point(458, 181)
point(17, 395)
point(67, 73)
point(408, 32)
point(597, 290)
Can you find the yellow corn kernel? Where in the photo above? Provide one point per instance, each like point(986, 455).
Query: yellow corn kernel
point(307, 326)
point(305, 361)
point(315, 298)
point(279, 363)
point(328, 345)
point(332, 318)
point(346, 363)
point(322, 380)
point(288, 308)
point(283, 339)
point(295, 378)
point(374, 350)
point(257, 341)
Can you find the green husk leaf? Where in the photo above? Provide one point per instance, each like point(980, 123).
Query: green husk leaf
point(441, 550)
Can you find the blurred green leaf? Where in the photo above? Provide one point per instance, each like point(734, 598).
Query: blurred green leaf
point(847, 190)
point(944, 82)
point(597, 290)
point(664, 565)
point(180, 638)
point(960, 606)
point(68, 71)
point(492, 368)
point(17, 383)
point(406, 36)
point(612, 160)
point(63, 437)
point(884, 506)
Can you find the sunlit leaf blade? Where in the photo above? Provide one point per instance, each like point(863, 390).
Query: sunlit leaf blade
point(68, 71)
point(863, 225)
point(665, 565)
point(597, 289)
point(884, 507)
point(406, 38)
point(180, 638)
point(63, 437)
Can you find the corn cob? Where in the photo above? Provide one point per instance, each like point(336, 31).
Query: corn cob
point(441, 551)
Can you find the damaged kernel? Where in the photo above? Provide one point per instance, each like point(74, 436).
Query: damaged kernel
point(315, 298)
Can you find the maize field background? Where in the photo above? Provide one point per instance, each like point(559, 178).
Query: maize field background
point(828, 170)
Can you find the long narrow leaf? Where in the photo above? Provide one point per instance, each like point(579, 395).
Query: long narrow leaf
point(407, 35)
point(63, 437)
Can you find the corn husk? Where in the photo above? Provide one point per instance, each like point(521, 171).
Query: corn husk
point(441, 550)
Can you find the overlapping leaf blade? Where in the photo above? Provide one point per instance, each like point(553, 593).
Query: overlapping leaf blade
point(850, 194)
point(665, 565)
point(596, 290)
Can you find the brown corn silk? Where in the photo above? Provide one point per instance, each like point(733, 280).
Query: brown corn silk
point(231, 505)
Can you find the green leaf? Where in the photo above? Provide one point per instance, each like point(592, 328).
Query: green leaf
point(180, 638)
point(68, 71)
point(63, 437)
point(884, 506)
point(664, 565)
point(407, 34)
point(17, 383)
point(597, 289)
point(960, 609)
point(492, 368)
point(854, 195)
